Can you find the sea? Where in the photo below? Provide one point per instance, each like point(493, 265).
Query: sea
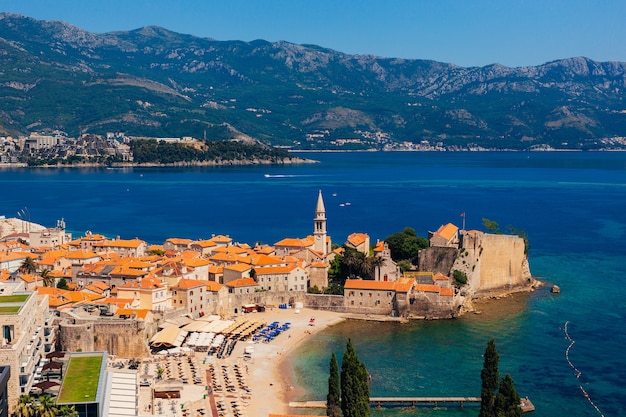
point(565, 351)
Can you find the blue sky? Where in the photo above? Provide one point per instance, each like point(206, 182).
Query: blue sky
point(463, 32)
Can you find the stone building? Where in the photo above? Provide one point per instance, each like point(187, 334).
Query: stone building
point(26, 322)
point(191, 295)
point(446, 236)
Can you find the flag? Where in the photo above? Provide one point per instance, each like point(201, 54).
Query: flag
point(463, 214)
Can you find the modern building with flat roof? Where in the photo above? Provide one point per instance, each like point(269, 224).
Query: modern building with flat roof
point(23, 323)
point(5, 373)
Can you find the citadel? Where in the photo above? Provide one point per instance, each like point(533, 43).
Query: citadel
point(121, 296)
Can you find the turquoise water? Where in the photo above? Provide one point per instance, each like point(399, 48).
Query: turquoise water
point(572, 205)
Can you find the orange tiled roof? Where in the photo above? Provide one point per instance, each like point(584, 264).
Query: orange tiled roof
point(79, 254)
point(404, 284)
point(123, 243)
point(357, 239)
point(319, 265)
point(204, 243)
point(362, 284)
point(271, 270)
point(296, 243)
point(446, 292)
point(197, 262)
point(440, 277)
point(447, 231)
point(258, 260)
point(184, 284)
point(139, 313)
point(178, 241)
point(242, 282)
point(148, 283)
point(213, 286)
point(380, 246)
point(427, 288)
point(238, 267)
point(221, 239)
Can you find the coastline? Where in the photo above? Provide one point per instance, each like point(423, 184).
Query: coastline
point(271, 376)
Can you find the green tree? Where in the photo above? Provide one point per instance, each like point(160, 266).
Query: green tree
point(25, 406)
point(405, 245)
point(46, 406)
point(62, 284)
point(507, 400)
point(490, 225)
point(28, 266)
point(355, 392)
point(67, 411)
point(333, 399)
point(489, 376)
point(460, 278)
point(46, 277)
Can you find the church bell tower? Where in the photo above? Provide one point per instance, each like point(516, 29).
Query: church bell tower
point(319, 232)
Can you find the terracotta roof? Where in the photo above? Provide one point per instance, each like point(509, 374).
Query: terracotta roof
point(296, 243)
point(271, 270)
point(319, 265)
point(197, 262)
point(380, 246)
point(427, 288)
point(446, 292)
point(80, 254)
point(122, 243)
point(213, 286)
point(148, 283)
point(184, 284)
point(139, 313)
point(404, 284)
point(221, 239)
point(238, 267)
point(242, 282)
point(440, 277)
point(447, 231)
point(258, 260)
point(178, 241)
point(357, 239)
point(204, 243)
point(362, 284)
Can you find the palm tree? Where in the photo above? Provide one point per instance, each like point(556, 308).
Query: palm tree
point(28, 266)
point(371, 265)
point(25, 407)
point(47, 406)
point(160, 371)
point(67, 411)
point(48, 280)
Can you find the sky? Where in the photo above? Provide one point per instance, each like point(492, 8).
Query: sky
point(461, 32)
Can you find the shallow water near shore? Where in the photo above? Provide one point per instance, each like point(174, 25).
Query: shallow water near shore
point(571, 205)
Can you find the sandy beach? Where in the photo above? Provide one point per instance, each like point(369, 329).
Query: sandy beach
point(271, 389)
point(259, 385)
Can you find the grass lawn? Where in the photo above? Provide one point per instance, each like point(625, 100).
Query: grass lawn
point(19, 298)
point(9, 309)
point(81, 379)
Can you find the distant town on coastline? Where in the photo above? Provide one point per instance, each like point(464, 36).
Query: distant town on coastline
point(151, 82)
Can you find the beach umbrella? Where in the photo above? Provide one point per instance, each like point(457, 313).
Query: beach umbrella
point(45, 385)
point(55, 354)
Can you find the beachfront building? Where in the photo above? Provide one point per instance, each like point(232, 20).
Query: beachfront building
point(191, 295)
point(24, 318)
point(290, 277)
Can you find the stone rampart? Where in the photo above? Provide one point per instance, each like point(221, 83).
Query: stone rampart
point(120, 337)
point(325, 302)
point(493, 261)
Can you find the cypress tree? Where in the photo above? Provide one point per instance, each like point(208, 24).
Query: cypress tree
point(354, 385)
point(334, 390)
point(489, 376)
point(507, 400)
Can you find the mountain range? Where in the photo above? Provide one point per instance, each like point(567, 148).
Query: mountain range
point(158, 83)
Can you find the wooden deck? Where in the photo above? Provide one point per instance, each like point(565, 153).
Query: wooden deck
point(526, 405)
